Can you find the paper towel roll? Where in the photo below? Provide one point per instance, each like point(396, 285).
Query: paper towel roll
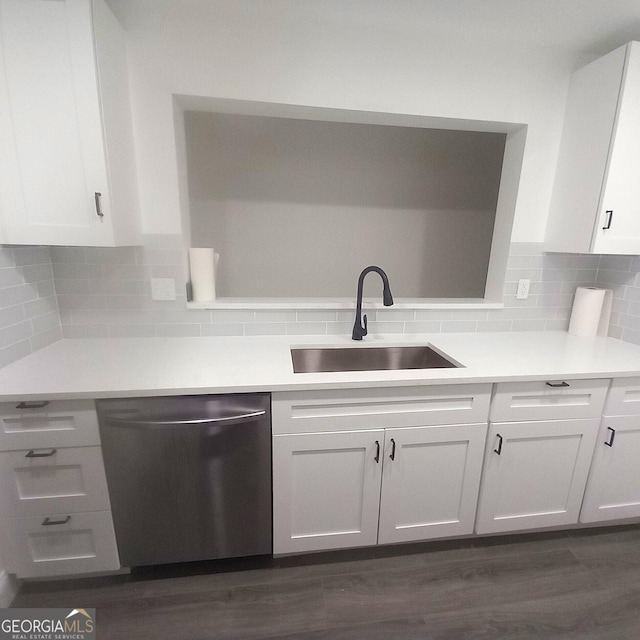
point(202, 269)
point(587, 311)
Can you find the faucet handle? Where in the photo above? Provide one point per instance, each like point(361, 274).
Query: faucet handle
point(364, 323)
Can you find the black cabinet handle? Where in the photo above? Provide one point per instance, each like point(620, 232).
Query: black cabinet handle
point(33, 405)
point(97, 195)
point(609, 443)
point(609, 214)
point(499, 449)
point(377, 457)
point(33, 454)
point(393, 449)
point(47, 522)
point(557, 384)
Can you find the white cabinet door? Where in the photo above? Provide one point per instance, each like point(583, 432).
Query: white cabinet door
point(52, 152)
point(326, 490)
point(613, 490)
point(618, 223)
point(430, 483)
point(596, 194)
point(534, 474)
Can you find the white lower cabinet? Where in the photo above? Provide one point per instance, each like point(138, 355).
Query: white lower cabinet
point(326, 490)
point(357, 488)
point(535, 474)
point(53, 490)
point(430, 482)
point(613, 491)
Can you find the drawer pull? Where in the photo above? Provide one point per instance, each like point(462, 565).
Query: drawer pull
point(557, 384)
point(377, 457)
point(32, 405)
point(609, 443)
point(48, 454)
point(393, 449)
point(47, 522)
point(499, 449)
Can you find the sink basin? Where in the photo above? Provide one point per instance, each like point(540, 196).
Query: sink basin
point(314, 360)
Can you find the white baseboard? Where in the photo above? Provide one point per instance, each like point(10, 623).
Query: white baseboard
point(8, 589)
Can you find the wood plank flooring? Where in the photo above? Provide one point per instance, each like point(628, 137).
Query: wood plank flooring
point(571, 585)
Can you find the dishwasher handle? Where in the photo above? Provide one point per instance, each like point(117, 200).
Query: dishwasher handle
point(129, 422)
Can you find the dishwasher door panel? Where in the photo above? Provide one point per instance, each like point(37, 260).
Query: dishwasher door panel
point(189, 477)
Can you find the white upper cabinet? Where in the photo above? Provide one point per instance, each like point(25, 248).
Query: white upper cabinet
point(595, 206)
point(66, 144)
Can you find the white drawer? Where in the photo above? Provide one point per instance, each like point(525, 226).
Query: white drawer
point(40, 424)
point(349, 409)
point(60, 544)
point(41, 481)
point(623, 398)
point(549, 400)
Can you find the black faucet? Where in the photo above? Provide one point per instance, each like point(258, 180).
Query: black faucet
point(360, 330)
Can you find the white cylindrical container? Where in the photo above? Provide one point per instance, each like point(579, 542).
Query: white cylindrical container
point(202, 265)
point(586, 311)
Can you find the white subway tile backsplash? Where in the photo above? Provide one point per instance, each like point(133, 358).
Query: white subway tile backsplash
point(316, 315)
point(306, 328)
point(178, 330)
point(339, 328)
point(455, 326)
point(45, 322)
point(15, 333)
point(104, 292)
point(12, 315)
point(29, 317)
point(44, 339)
point(222, 329)
point(265, 329)
point(85, 331)
point(422, 327)
point(18, 295)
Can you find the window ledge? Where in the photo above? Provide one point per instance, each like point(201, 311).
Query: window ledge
point(344, 303)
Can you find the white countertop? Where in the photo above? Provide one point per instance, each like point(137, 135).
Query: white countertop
point(94, 368)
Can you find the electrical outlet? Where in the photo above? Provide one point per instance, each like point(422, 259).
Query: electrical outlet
point(522, 292)
point(163, 289)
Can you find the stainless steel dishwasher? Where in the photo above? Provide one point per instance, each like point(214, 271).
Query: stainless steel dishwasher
point(189, 476)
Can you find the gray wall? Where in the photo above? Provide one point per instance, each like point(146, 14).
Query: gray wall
point(299, 207)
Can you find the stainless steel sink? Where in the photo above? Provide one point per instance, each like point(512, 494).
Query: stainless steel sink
point(314, 360)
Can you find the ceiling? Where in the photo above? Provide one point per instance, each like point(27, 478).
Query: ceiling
point(585, 26)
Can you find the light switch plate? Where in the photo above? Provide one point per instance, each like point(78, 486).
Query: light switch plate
point(163, 289)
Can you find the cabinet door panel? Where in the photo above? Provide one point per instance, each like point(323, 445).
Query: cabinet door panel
point(613, 490)
point(430, 487)
point(50, 124)
point(621, 192)
point(538, 477)
point(326, 490)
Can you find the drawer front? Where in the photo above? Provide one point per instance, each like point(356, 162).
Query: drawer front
point(623, 398)
point(551, 400)
point(37, 425)
point(41, 481)
point(349, 409)
point(60, 544)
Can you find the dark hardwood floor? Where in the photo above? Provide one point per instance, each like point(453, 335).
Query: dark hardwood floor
point(570, 585)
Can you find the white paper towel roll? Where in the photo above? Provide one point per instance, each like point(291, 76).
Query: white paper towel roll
point(587, 311)
point(202, 269)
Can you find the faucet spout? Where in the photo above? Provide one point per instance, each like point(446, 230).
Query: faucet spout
point(360, 325)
